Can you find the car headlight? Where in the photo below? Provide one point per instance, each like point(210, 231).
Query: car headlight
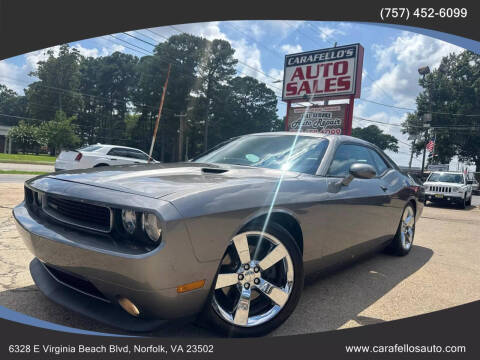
point(129, 221)
point(151, 225)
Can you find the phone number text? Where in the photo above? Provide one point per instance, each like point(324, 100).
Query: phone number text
point(424, 13)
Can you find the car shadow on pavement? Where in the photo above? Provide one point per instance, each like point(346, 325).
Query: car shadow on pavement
point(333, 298)
point(451, 206)
point(329, 300)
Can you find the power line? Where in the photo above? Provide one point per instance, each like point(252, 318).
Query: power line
point(410, 109)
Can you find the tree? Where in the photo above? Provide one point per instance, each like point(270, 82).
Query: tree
point(59, 133)
point(57, 88)
point(11, 104)
point(26, 136)
point(216, 68)
point(452, 88)
point(376, 136)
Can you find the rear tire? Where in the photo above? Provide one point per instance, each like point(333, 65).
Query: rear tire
point(402, 242)
point(274, 286)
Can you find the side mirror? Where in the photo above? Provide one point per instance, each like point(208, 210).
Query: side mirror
point(360, 171)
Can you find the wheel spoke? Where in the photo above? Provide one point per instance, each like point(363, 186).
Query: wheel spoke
point(241, 245)
point(242, 308)
point(277, 254)
point(410, 234)
point(277, 295)
point(409, 219)
point(224, 280)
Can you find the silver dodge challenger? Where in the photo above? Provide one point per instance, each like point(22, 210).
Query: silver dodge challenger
point(225, 238)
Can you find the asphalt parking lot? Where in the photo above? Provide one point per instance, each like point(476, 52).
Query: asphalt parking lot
point(441, 271)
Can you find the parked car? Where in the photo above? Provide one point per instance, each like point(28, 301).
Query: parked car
point(99, 155)
point(227, 237)
point(448, 187)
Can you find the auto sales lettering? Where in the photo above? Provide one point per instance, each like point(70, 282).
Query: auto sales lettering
point(323, 73)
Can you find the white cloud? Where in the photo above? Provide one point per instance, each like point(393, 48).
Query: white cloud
point(400, 61)
point(327, 33)
point(96, 52)
point(291, 49)
point(208, 30)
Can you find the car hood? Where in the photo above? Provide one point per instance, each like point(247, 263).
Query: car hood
point(440, 183)
point(158, 180)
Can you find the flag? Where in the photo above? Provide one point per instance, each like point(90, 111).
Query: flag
point(431, 145)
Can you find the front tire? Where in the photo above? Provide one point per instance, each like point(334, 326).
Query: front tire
point(258, 283)
point(463, 202)
point(469, 202)
point(403, 240)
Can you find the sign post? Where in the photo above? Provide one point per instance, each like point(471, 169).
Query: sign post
point(325, 74)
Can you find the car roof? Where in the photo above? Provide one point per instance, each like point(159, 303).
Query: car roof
point(115, 146)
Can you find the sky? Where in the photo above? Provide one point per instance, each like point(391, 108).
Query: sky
point(391, 60)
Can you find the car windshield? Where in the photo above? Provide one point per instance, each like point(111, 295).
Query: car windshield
point(446, 177)
point(271, 151)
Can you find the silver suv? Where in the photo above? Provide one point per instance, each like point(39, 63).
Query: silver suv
point(448, 187)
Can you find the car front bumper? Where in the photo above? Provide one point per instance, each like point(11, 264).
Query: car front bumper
point(447, 198)
point(100, 277)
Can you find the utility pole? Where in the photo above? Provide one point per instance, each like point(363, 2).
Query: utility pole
point(424, 71)
point(159, 114)
point(411, 153)
point(181, 130)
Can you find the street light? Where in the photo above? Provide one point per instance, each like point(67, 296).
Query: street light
point(424, 70)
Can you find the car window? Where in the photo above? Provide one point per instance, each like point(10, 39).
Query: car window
point(117, 152)
point(136, 154)
point(346, 155)
point(380, 164)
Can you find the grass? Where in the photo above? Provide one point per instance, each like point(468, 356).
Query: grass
point(27, 159)
point(21, 172)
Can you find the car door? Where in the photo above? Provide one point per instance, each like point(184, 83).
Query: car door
point(355, 213)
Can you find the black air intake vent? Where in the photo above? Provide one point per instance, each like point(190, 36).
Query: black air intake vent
point(213, 170)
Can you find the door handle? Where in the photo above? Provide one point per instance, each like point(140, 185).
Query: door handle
point(384, 188)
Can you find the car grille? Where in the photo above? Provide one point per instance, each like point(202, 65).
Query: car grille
point(76, 213)
point(444, 189)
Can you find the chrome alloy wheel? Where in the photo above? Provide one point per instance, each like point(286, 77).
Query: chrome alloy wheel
point(407, 228)
point(254, 281)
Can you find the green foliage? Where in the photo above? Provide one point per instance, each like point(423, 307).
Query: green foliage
point(376, 136)
point(45, 96)
point(452, 88)
point(26, 136)
point(11, 104)
point(59, 133)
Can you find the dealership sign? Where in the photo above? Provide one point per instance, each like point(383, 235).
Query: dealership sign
point(318, 119)
point(325, 73)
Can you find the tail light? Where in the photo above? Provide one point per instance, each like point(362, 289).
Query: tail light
point(78, 157)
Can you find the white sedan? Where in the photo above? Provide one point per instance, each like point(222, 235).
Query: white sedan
point(99, 155)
